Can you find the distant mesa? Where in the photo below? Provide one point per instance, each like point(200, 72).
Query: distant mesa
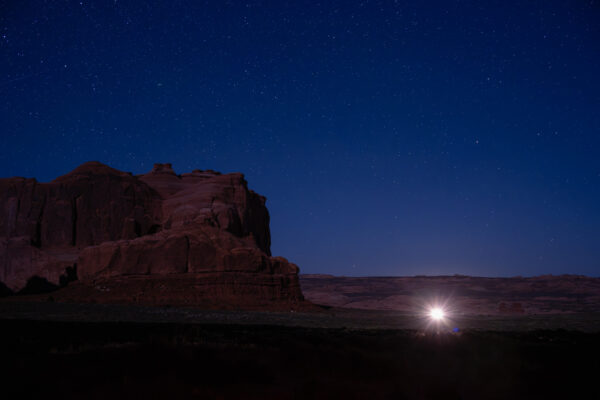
point(464, 295)
point(103, 235)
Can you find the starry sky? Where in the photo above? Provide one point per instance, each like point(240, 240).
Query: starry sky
point(389, 137)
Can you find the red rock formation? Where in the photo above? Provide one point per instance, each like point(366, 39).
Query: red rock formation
point(202, 234)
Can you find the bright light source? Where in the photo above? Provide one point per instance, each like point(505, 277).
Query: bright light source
point(436, 314)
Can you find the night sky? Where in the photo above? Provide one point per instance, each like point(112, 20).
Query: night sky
point(390, 138)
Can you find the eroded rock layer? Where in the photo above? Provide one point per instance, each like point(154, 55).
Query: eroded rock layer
point(157, 238)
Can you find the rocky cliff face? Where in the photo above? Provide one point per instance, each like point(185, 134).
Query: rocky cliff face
point(158, 238)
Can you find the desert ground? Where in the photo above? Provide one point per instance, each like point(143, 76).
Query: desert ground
point(462, 295)
point(62, 350)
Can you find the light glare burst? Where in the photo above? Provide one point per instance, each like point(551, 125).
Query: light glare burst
point(437, 314)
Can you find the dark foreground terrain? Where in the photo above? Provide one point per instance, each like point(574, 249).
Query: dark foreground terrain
point(104, 352)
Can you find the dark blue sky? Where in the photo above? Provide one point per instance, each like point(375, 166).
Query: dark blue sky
point(390, 138)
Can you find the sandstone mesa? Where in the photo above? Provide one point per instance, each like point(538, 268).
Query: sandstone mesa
point(199, 238)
